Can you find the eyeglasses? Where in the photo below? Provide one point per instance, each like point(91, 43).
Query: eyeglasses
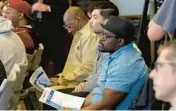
point(158, 65)
point(70, 25)
point(66, 27)
point(106, 36)
point(8, 11)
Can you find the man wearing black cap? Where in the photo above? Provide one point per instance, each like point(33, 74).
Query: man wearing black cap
point(122, 72)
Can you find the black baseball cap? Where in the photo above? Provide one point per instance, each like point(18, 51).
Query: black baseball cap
point(120, 27)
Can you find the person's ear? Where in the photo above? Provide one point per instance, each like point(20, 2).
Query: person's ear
point(121, 41)
point(21, 15)
point(89, 14)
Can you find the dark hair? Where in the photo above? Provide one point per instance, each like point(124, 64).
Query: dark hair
point(127, 41)
point(85, 4)
point(107, 9)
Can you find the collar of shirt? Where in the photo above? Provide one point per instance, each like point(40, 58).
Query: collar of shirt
point(26, 26)
point(118, 52)
point(82, 30)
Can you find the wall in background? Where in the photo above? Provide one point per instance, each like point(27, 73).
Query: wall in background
point(129, 7)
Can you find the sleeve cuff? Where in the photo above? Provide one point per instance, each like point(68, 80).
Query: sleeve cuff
point(49, 8)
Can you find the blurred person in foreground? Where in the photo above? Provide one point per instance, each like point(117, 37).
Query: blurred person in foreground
point(164, 74)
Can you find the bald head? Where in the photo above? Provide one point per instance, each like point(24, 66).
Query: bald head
point(74, 19)
point(75, 12)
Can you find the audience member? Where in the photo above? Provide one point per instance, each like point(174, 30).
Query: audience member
point(102, 10)
point(164, 74)
point(122, 72)
point(81, 57)
point(85, 5)
point(12, 49)
point(20, 15)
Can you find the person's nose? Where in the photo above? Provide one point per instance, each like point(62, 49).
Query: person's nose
point(152, 74)
point(69, 30)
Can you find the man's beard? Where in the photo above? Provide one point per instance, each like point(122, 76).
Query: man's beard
point(101, 47)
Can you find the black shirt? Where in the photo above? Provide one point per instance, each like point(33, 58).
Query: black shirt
point(2, 72)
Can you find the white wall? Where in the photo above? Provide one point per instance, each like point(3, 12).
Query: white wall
point(129, 7)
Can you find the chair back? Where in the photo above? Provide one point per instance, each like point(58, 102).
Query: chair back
point(37, 57)
point(21, 74)
point(30, 58)
point(7, 90)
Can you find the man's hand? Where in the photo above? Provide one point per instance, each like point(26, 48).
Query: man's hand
point(54, 81)
point(41, 7)
point(62, 81)
point(58, 81)
point(80, 87)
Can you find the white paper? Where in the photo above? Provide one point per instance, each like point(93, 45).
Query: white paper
point(39, 79)
point(58, 99)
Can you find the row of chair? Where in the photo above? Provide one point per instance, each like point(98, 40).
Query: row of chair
point(10, 89)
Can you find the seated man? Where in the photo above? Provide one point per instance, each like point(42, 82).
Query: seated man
point(81, 57)
point(164, 74)
point(20, 15)
point(101, 11)
point(122, 72)
point(11, 47)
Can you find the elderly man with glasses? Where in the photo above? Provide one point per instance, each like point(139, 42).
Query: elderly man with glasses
point(81, 57)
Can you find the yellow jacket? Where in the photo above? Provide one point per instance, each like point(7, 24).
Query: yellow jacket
point(81, 57)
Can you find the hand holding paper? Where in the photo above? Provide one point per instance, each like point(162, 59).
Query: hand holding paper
point(59, 100)
point(39, 79)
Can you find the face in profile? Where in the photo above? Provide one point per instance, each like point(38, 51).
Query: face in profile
point(11, 14)
point(108, 42)
point(164, 77)
point(71, 24)
point(95, 21)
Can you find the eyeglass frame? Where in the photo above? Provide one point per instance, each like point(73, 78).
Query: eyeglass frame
point(70, 25)
point(156, 64)
point(8, 11)
point(106, 36)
